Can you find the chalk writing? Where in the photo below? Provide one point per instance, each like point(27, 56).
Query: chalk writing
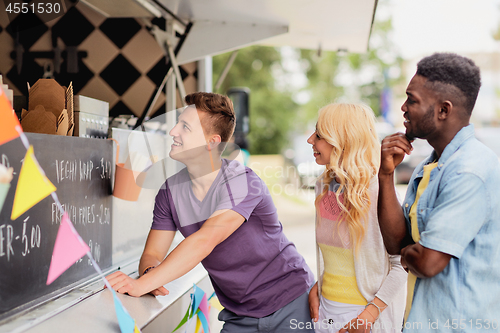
point(82, 171)
point(105, 169)
point(104, 215)
point(86, 170)
point(5, 161)
point(66, 170)
point(30, 240)
point(95, 250)
point(84, 215)
point(6, 237)
point(75, 170)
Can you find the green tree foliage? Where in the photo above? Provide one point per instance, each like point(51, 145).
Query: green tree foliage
point(382, 61)
point(331, 76)
point(353, 77)
point(320, 71)
point(272, 111)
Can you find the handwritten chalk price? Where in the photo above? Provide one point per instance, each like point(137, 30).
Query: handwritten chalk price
point(30, 238)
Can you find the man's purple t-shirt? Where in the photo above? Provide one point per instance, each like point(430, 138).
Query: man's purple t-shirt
point(255, 271)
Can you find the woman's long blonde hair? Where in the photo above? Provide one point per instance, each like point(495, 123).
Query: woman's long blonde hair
point(354, 161)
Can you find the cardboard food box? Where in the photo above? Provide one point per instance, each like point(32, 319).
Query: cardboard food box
point(50, 109)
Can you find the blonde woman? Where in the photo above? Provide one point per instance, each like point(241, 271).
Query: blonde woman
point(360, 286)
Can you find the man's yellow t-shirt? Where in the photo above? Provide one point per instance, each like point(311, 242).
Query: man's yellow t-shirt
point(415, 234)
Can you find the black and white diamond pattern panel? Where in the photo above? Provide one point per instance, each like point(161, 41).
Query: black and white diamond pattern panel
point(120, 30)
point(120, 74)
point(112, 59)
point(73, 27)
point(26, 29)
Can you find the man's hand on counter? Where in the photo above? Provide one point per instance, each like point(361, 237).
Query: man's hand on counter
point(124, 284)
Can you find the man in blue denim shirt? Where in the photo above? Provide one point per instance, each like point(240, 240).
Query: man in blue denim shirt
point(448, 230)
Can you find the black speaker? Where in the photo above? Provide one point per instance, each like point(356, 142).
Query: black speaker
point(240, 97)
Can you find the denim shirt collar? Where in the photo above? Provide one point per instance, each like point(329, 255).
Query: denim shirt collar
point(463, 135)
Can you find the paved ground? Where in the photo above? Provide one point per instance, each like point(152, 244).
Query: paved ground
point(297, 215)
point(295, 205)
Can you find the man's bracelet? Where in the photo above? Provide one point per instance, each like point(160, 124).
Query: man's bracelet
point(378, 308)
point(150, 268)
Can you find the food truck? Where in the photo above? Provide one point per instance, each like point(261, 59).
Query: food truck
point(74, 73)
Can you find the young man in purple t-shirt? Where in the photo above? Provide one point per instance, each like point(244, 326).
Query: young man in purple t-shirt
point(229, 221)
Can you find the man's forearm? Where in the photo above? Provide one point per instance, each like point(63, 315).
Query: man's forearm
point(412, 258)
point(147, 261)
point(189, 253)
point(390, 215)
point(424, 262)
point(156, 248)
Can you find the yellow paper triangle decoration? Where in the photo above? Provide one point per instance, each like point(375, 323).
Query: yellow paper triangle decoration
point(32, 186)
point(214, 301)
point(198, 325)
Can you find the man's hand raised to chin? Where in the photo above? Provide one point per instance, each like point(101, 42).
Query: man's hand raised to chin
point(394, 148)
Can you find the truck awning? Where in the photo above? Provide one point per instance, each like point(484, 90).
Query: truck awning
point(224, 25)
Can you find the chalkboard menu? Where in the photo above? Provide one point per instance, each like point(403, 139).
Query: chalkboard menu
point(81, 169)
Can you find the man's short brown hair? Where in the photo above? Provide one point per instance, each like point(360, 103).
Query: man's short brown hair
point(220, 119)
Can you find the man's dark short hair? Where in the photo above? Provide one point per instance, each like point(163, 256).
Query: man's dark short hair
point(444, 69)
point(219, 108)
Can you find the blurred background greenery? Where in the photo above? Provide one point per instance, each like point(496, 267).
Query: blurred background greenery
point(288, 86)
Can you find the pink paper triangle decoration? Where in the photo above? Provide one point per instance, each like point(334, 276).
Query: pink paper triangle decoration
point(204, 307)
point(69, 247)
